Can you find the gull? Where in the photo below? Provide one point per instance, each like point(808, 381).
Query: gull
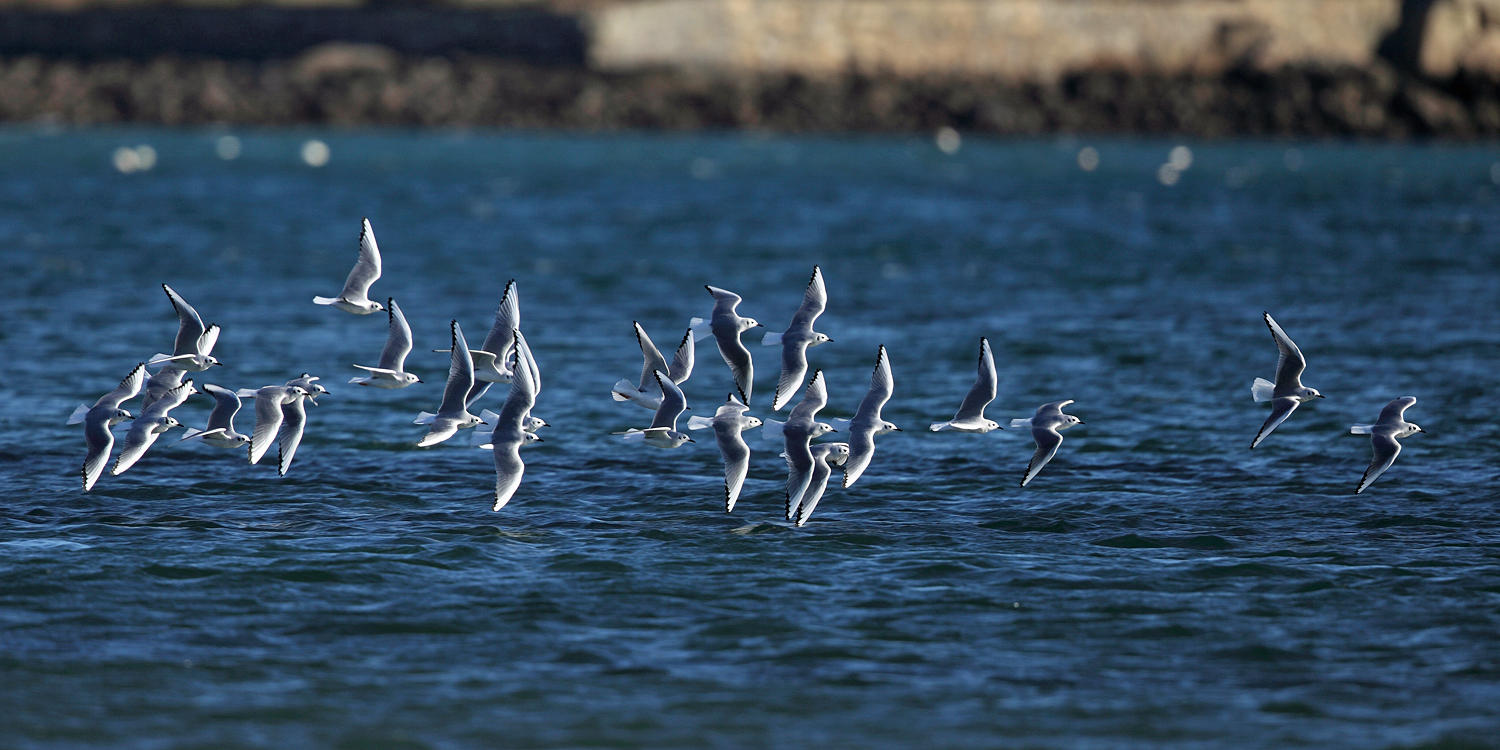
point(220, 428)
point(663, 432)
point(522, 359)
point(309, 383)
point(825, 457)
point(1390, 426)
point(97, 419)
point(1287, 393)
point(728, 422)
point(453, 413)
point(1045, 430)
point(798, 336)
point(798, 432)
point(389, 373)
point(510, 433)
point(355, 297)
point(726, 326)
point(867, 422)
point(192, 349)
point(682, 366)
point(970, 416)
point(269, 414)
point(492, 360)
point(152, 422)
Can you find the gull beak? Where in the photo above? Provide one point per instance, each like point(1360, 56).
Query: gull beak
point(759, 325)
point(833, 430)
point(830, 339)
point(539, 440)
point(1082, 422)
point(1321, 396)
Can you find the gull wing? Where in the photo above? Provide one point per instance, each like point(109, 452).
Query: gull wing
point(460, 373)
point(190, 327)
point(129, 386)
point(1289, 362)
point(1047, 441)
point(293, 420)
point(397, 340)
point(366, 269)
point(983, 391)
point(1384, 449)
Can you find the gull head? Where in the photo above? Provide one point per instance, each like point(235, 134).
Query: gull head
point(1413, 428)
point(374, 306)
point(751, 423)
point(409, 378)
point(1068, 421)
point(819, 338)
point(838, 454)
point(990, 424)
point(208, 360)
point(470, 420)
point(532, 424)
point(530, 437)
point(167, 423)
point(748, 323)
point(119, 416)
point(821, 428)
point(891, 427)
point(1308, 394)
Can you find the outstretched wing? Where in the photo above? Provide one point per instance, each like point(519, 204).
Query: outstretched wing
point(294, 419)
point(1281, 408)
point(813, 399)
point(1385, 448)
point(129, 386)
point(226, 405)
point(1290, 362)
point(1047, 441)
point(502, 334)
point(1395, 411)
point(983, 391)
point(793, 369)
point(881, 387)
point(397, 339)
point(190, 327)
point(653, 360)
point(267, 421)
point(682, 361)
point(367, 269)
point(673, 403)
point(460, 373)
point(814, 300)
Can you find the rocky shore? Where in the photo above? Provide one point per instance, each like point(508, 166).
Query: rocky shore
point(526, 68)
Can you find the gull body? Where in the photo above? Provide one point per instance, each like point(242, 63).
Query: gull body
point(867, 422)
point(727, 327)
point(220, 431)
point(797, 338)
point(390, 371)
point(510, 433)
point(1287, 393)
point(97, 419)
point(355, 297)
point(192, 350)
point(970, 416)
point(663, 432)
point(269, 414)
point(728, 424)
point(1384, 434)
point(453, 414)
point(1046, 426)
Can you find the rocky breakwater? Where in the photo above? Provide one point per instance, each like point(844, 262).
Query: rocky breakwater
point(1205, 67)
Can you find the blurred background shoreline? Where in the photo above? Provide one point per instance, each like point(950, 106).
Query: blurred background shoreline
point(1207, 68)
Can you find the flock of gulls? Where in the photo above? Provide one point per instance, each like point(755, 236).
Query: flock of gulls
point(505, 358)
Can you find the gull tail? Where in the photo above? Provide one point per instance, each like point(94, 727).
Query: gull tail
point(1020, 424)
point(699, 423)
point(358, 381)
point(839, 424)
point(489, 417)
point(771, 338)
point(325, 300)
point(772, 430)
point(1262, 390)
point(1361, 429)
point(245, 393)
point(622, 388)
point(939, 426)
point(632, 434)
point(700, 327)
point(78, 414)
point(424, 417)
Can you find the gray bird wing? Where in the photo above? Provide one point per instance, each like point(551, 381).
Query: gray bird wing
point(793, 369)
point(524, 348)
point(1281, 408)
point(1047, 441)
point(881, 387)
point(983, 391)
point(814, 300)
point(140, 438)
point(508, 471)
point(1394, 413)
point(725, 301)
point(168, 401)
point(100, 440)
point(460, 374)
point(129, 386)
point(502, 335)
point(226, 405)
point(653, 359)
point(736, 452)
point(480, 388)
point(397, 339)
point(1384, 448)
point(682, 361)
point(189, 326)
point(741, 365)
point(293, 420)
point(208, 340)
point(813, 400)
point(1289, 362)
point(673, 403)
point(366, 269)
point(517, 407)
point(268, 418)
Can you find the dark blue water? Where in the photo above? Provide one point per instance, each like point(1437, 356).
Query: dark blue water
point(1158, 585)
